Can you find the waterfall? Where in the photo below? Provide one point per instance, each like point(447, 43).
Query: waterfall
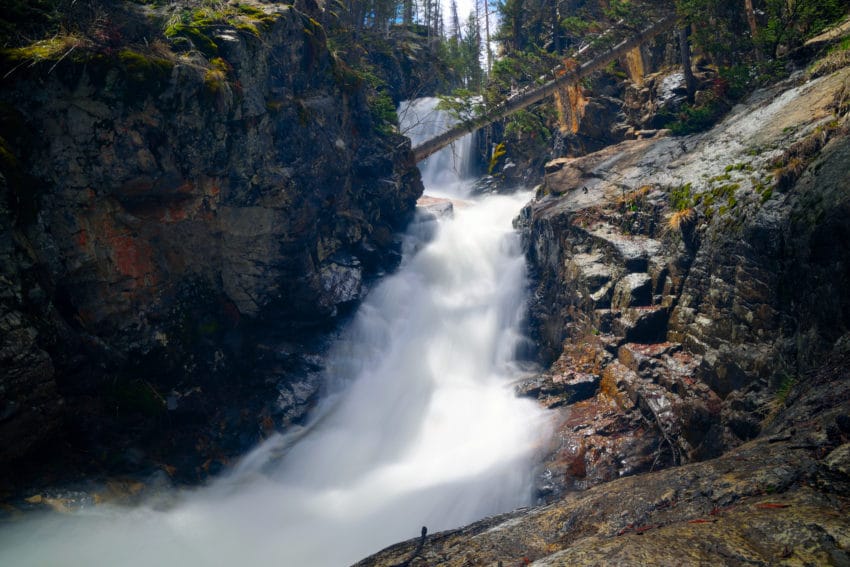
point(445, 172)
point(421, 427)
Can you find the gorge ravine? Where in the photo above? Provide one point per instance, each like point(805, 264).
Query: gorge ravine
point(421, 426)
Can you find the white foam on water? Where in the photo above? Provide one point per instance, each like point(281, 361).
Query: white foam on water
point(422, 427)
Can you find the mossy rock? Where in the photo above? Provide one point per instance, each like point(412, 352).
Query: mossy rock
point(196, 34)
point(143, 75)
point(142, 70)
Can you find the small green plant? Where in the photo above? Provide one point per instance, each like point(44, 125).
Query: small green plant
point(725, 191)
point(785, 386)
point(525, 123)
point(196, 34)
point(780, 397)
point(576, 25)
point(743, 166)
point(692, 119)
point(50, 49)
point(383, 111)
point(843, 45)
point(499, 151)
point(681, 197)
point(614, 69)
point(215, 79)
point(462, 105)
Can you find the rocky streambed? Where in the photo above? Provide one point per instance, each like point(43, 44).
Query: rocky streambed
point(691, 295)
point(780, 499)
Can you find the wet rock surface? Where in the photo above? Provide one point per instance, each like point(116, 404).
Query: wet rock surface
point(779, 499)
point(688, 302)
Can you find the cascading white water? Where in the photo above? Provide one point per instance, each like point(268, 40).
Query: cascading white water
point(445, 172)
point(423, 428)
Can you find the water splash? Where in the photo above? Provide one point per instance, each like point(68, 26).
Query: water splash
point(423, 427)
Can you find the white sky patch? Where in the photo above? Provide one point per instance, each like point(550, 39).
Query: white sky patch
point(464, 8)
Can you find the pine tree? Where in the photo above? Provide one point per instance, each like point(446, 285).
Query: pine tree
point(455, 29)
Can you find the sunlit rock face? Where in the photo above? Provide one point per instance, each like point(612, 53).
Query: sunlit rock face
point(167, 218)
point(686, 326)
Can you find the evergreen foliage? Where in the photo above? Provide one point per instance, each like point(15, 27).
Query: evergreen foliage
point(780, 26)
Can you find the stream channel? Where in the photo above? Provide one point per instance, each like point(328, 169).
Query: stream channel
point(420, 426)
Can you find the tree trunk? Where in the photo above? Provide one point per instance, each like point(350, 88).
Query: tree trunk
point(685, 49)
point(455, 31)
point(556, 27)
point(489, 51)
point(751, 20)
point(516, 24)
point(408, 12)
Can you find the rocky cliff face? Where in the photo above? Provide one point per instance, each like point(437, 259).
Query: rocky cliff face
point(689, 295)
point(684, 278)
point(169, 208)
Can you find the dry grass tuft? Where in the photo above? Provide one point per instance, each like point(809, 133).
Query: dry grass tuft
point(634, 196)
point(680, 219)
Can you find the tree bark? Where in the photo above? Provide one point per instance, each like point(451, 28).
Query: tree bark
point(685, 49)
point(408, 12)
point(487, 48)
point(751, 20)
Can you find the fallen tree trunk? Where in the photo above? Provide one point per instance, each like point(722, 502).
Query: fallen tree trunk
point(536, 94)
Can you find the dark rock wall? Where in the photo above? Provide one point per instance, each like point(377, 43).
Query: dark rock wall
point(167, 213)
point(30, 405)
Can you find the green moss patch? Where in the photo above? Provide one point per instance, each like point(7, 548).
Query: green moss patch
point(197, 25)
point(47, 50)
point(215, 78)
point(196, 34)
point(143, 74)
